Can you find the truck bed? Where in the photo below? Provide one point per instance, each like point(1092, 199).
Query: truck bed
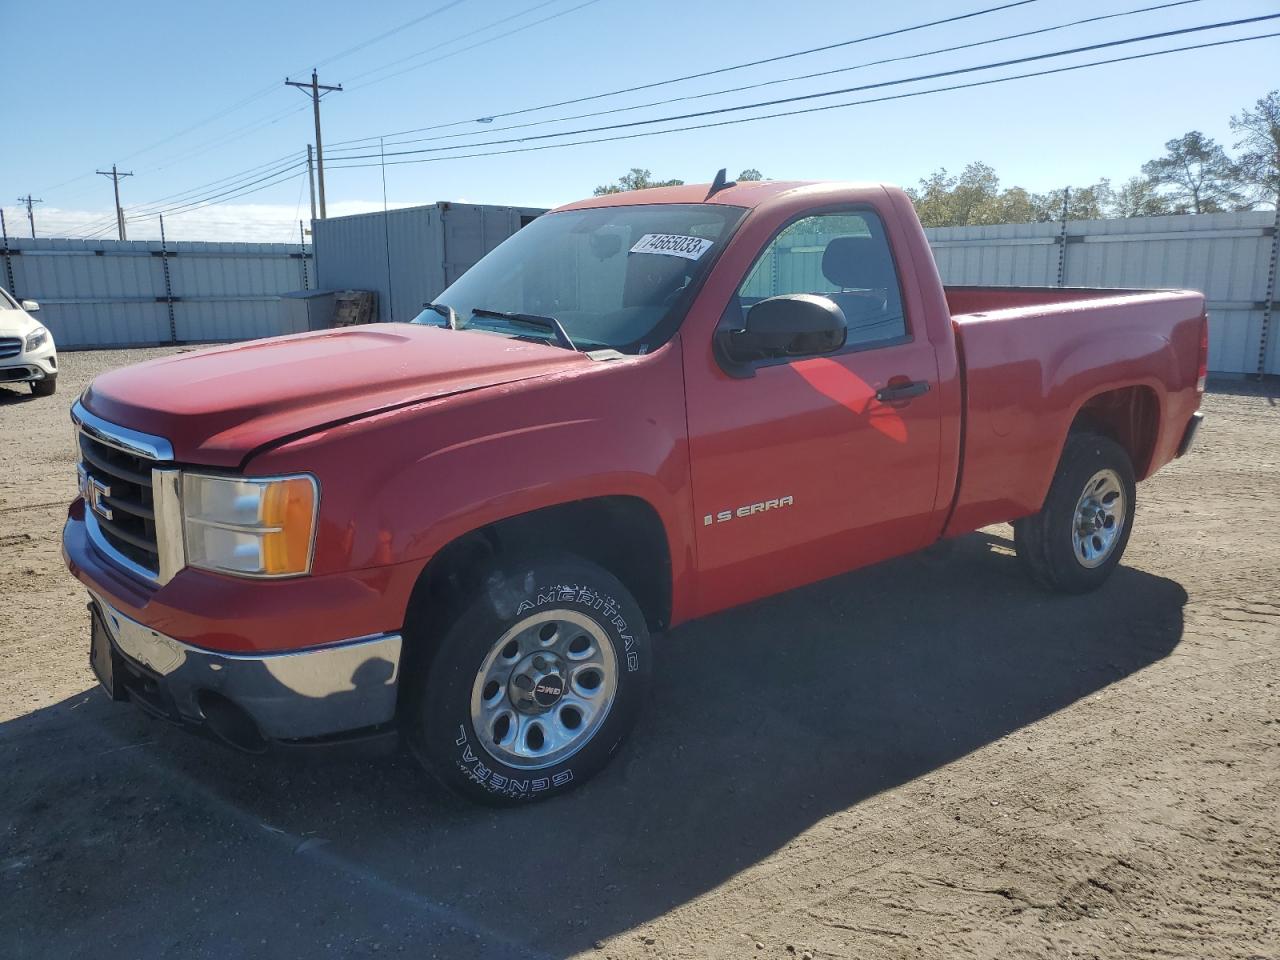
point(1031, 357)
point(967, 300)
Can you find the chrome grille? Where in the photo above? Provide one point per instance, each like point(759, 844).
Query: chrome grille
point(118, 490)
point(133, 508)
point(10, 347)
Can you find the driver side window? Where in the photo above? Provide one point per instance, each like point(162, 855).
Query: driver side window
point(844, 257)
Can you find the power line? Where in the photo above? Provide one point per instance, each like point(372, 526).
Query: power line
point(444, 43)
point(271, 179)
point(252, 98)
point(283, 175)
point(266, 91)
point(220, 138)
point(241, 187)
point(707, 73)
point(245, 178)
point(216, 202)
point(830, 106)
point(390, 33)
point(221, 182)
point(264, 121)
point(297, 207)
point(190, 200)
point(831, 93)
point(242, 131)
point(94, 224)
point(231, 136)
point(804, 76)
point(481, 43)
point(226, 186)
point(98, 233)
point(278, 176)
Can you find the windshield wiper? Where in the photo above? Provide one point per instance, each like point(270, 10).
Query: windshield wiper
point(446, 311)
point(532, 320)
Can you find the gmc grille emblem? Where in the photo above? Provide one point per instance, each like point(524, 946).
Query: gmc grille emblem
point(94, 493)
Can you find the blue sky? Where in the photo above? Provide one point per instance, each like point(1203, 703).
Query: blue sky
point(90, 84)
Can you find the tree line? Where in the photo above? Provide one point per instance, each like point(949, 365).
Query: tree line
point(1195, 175)
point(637, 178)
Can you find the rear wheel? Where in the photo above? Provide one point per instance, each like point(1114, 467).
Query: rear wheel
point(1081, 532)
point(534, 684)
point(46, 387)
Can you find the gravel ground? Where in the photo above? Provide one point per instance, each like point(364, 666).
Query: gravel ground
point(929, 758)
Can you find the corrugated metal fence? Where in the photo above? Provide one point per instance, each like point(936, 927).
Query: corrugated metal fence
point(97, 293)
point(1231, 257)
point(105, 293)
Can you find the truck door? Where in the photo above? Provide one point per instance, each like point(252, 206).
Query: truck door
point(815, 465)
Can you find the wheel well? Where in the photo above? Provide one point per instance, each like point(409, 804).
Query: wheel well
point(1130, 416)
point(622, 534)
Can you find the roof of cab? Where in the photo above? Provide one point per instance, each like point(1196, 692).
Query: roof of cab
point(750, 193)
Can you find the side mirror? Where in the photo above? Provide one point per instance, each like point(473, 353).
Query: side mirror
point(796, 325)
point(30, 306)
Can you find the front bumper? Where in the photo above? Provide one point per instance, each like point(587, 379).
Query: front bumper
point(295, 695)
point(32, 365)
point(238, 617)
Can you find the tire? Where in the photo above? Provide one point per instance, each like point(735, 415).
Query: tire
point(538, 645)
point(46, 387)
point(1077, 539)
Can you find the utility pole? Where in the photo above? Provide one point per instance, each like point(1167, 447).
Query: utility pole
point(311, 179)
point(29, 200)
point(115, 176)
point(315, 90)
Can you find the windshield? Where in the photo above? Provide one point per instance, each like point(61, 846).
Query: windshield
point(612, 277)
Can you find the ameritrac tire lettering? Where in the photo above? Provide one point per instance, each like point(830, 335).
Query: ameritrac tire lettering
point(606, 605)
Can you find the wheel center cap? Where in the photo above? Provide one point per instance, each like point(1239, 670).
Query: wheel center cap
point(537, 683)
point(1092, 518)
point(548, 691)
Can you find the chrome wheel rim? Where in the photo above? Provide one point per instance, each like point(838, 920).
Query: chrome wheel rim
point(544, 689)
point(1100, 518)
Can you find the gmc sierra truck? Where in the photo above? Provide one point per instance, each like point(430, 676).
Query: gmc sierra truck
point(639, 410)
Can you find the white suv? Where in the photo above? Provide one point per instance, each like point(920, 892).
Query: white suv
point(27, 353)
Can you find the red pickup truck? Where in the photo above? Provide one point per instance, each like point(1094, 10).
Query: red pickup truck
point(641, 409)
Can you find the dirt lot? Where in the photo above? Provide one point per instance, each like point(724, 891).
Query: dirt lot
point(926, 759)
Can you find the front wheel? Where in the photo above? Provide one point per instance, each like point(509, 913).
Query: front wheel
point(1080, 533)
point(534, 685)
point(46, 387)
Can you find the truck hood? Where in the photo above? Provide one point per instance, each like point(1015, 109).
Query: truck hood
point(216, 406)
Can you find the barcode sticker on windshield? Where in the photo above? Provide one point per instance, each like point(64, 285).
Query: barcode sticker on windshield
point(691, 248)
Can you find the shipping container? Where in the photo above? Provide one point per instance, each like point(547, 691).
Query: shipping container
point(408, 256)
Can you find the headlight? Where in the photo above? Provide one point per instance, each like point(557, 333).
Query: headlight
point(37, 340)
point(255, 527)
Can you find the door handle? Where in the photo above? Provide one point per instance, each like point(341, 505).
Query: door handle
point(902, 391)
